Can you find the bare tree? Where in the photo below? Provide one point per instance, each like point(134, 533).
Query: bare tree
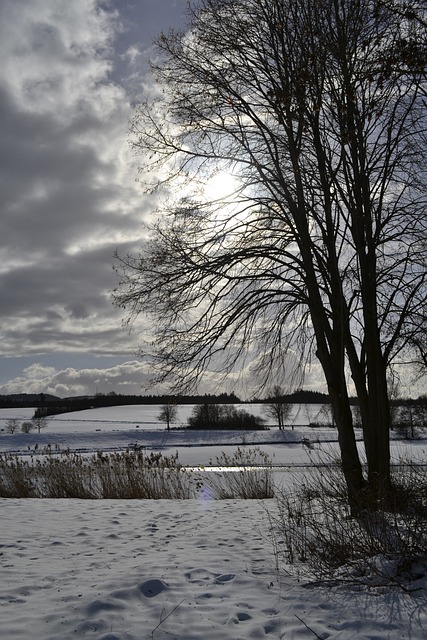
point(12, 425)
point(327, 413)
point(317, 110)
point(39, 422)
point(411, 419)
point(406, 10)
point(277, 408)
point(394, 394)
point(168, 414)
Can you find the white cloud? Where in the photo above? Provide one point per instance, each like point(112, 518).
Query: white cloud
point(51, 50)
point(68, 196)
point(127, 378)
point(132, 55)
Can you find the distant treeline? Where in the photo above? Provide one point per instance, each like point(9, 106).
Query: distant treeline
point(300, 397)
point(50, 405)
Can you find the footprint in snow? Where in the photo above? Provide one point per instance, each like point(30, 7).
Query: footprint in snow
point(224, 578)
point(152, 588)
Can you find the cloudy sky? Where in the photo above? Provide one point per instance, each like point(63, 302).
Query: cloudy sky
point(69, 75)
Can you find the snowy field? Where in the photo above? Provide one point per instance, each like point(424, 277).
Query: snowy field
point(187, 570)
point(116, 428)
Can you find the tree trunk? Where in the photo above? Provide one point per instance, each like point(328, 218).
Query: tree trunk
point(378, 431)
point(350, 460)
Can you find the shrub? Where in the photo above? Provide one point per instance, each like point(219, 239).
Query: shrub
point(16, 478)
point(135, 475)
point(313, 529)
point(130, 475)
point(215, 416)
point(26, 427)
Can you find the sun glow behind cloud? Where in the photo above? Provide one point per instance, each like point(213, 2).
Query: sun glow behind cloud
point(221, 186)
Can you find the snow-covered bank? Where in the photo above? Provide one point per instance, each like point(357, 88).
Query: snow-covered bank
point(113, 570)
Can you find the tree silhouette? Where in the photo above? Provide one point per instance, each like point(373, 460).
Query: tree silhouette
point(277, 408)
point(317, 109)
point(168, 414)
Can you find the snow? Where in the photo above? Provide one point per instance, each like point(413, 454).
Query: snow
point(145, 416)
point(191, 570)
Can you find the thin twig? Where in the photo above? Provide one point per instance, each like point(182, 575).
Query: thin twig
point(309, 628)
point(162, 620)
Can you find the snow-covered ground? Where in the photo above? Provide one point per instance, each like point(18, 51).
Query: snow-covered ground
point(189, 570)
point(113, 570)
point(146, 417)
point(115, 428)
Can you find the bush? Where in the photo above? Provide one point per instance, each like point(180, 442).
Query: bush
point(250, 475)
point(215, 416)
point(314, 529)
point(26, 427)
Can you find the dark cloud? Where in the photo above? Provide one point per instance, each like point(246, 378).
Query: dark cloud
point(68, 197)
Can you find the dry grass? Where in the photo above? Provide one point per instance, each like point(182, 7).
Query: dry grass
point(62, 474)
point(249, 475)
point(314, 529)
point(52, 473)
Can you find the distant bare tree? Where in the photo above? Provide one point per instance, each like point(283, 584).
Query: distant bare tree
point(411, 419)
point(39, 422)
point(168, 414)
point(327, 413)
point(12, 425)
point(394, 390)
point(206, 415)
point(222, 416)
point(277, 408)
